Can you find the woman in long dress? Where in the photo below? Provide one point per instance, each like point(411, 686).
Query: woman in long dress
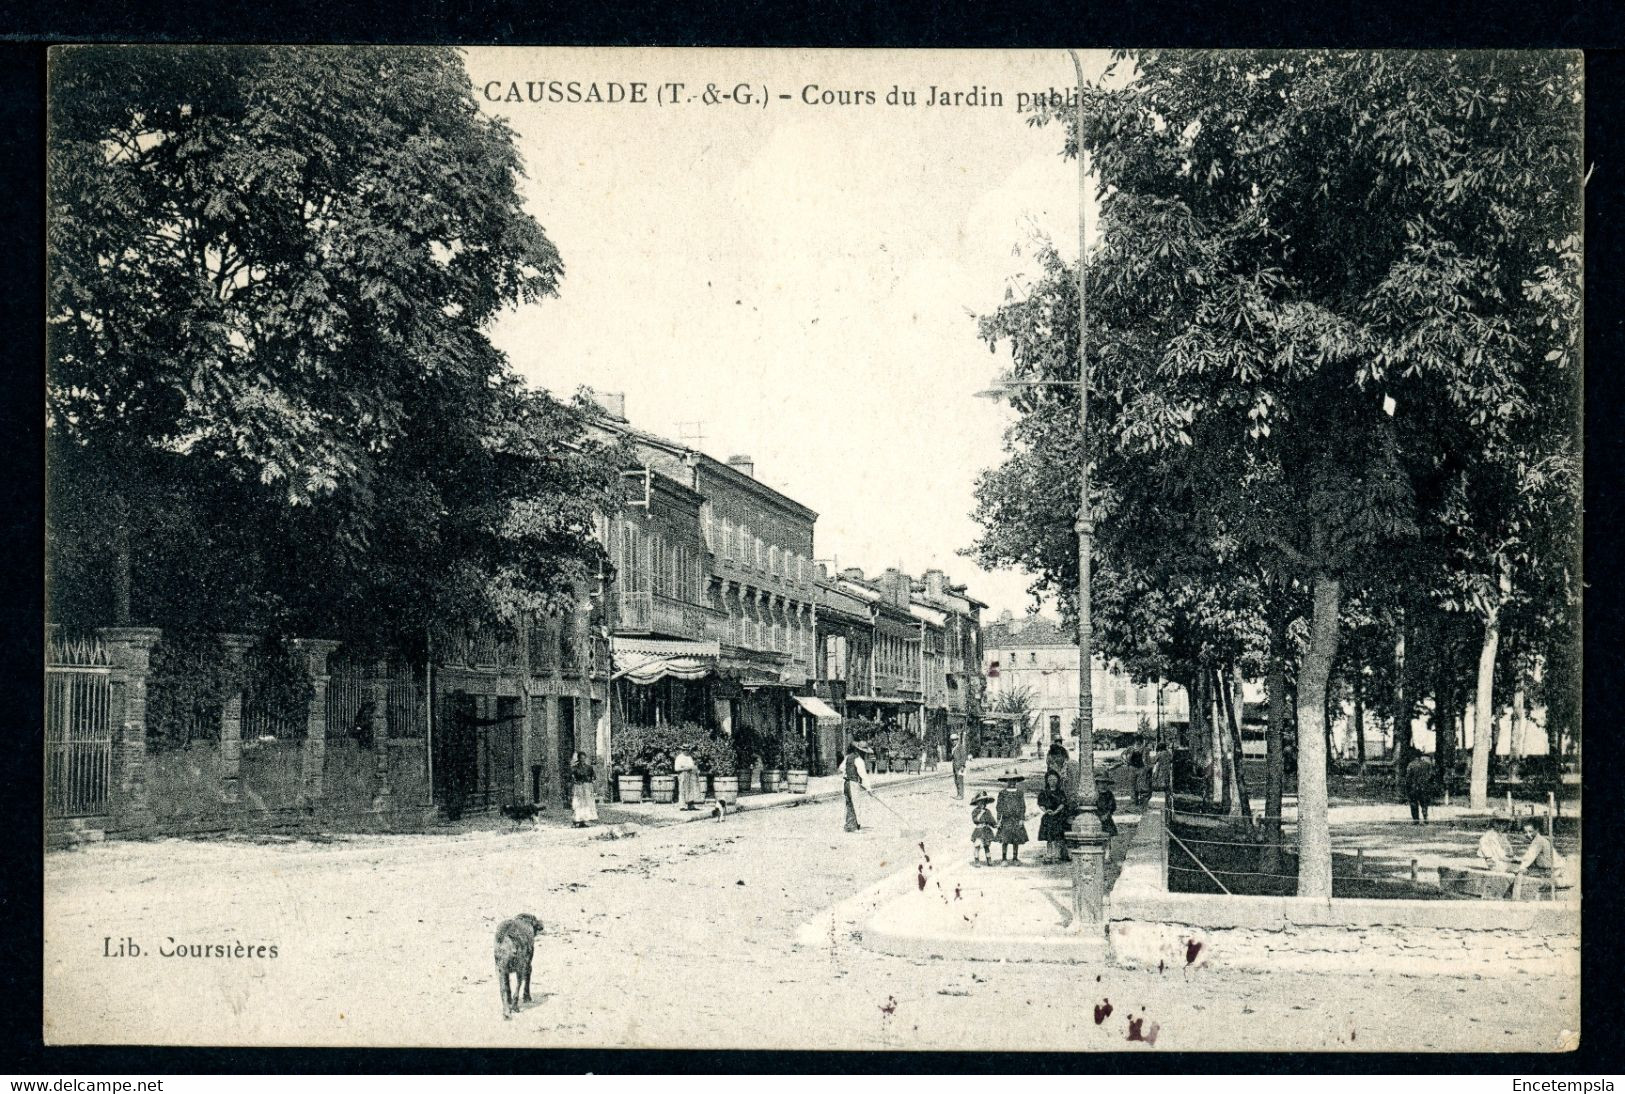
point(1052, 829)
point(583, 807)
point(688, 778)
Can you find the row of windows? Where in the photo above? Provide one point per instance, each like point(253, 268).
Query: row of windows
point(846, 660)
point(896, 657)
point(740, 544)
point(647, 562)
point(758, 630)
point(1057, 684)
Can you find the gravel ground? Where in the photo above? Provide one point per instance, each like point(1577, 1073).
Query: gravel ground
point(681, 936)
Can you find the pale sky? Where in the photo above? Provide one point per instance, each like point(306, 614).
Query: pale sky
point(800, 279)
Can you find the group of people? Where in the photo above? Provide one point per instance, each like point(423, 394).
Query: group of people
point(1495, 851)
point(1005, 823)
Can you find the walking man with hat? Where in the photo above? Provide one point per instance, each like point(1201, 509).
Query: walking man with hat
point(957, 761)
point(854, 770)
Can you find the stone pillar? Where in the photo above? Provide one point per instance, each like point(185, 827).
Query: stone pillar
point(313, 653)
point(130, 650)
point(236, 647)
point(383, 793)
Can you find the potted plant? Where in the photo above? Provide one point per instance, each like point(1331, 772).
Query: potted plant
point(717, 759)
point(795, 761)
point(629, 767)
point(662, 780)
point(746, 748)
point(772, 749)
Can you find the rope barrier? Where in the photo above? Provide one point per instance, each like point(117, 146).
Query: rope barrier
point(1288, 877)
point(1236, 819)
point(1237, 843)
point(1199, 862)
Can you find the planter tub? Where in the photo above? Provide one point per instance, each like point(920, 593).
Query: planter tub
point(798, 782)
point(663, 788)
point(725, 788)
point(772, 782)
point(629, 787)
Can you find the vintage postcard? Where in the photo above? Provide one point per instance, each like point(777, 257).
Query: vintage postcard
point(773, 549)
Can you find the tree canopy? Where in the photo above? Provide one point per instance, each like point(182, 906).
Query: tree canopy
point(1327, 284)
point(271, 399)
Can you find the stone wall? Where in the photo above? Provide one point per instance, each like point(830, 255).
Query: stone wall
point(183, 786)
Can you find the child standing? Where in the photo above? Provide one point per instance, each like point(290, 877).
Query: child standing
point(1012, 810)
point(981, 836)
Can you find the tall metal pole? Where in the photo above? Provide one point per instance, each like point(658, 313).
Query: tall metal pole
point(1084, 833)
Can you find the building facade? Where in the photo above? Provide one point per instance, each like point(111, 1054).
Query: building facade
point(664, 625)
point(1036, 658)
point(959, 661)
point(756, 569)
point(890, 691)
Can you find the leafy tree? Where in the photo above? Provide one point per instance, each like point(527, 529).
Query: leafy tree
point(1320, 276)
point(270, 273)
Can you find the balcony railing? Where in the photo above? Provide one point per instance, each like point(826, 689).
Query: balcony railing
point(647, 613)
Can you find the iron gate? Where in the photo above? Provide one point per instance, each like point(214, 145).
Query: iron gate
point(78, 730)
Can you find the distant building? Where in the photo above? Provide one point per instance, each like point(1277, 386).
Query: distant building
point(951, 657)
point(1038, 658)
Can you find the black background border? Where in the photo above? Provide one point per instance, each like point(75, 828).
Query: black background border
point(1594, 27)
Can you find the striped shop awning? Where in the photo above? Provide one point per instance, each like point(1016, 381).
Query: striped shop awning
point(817, 708)
point(644, 661)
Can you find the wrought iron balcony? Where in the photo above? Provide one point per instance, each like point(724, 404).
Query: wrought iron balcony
point(648, 613)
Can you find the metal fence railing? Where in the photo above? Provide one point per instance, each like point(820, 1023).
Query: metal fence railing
point(78, 729)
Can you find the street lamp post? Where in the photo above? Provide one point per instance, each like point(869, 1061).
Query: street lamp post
point(1084, 835)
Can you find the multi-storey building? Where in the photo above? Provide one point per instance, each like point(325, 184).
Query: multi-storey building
point(844, 647)
point(665, 649)
point(1038, 659)
point(757, 574)
point(953, 679)
point(891, 691)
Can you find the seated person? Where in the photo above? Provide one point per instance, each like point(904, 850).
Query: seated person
point(1543, 858)
point(1494, 849)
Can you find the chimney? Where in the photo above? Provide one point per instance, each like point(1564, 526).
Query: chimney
point(853, 573)
point(896, 583)
point(1006, 616)
point(612, 403)
point(743, 464)
point(936, 583)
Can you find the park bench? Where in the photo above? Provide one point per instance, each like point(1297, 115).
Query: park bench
point(1494, 884)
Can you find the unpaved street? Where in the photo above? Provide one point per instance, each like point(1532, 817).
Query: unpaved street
point(680, 936)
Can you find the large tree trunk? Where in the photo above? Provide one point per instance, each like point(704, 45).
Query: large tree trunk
point(1359, 718)
point(1331, 741)
point(1515, 745)
point(1444, 735)
point(1478, 787)
point(1314, 827)
point(1402, 705)
point(1231, 696)
point(1221, 766)
point(1275, 742)
point(1201, 737)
